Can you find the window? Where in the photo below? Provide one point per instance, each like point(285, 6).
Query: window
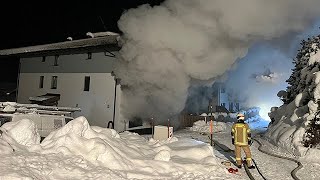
point(41, 82)
point(86, 83)
point(56, 60)
point(89, 55)
point(54, 82)
point(237, 107)
point(231, 106)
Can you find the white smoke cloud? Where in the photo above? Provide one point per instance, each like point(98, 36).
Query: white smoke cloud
point(267, 76)
point(168, 45)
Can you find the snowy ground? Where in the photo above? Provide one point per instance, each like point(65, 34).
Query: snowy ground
point(78, 151)
point(271, 167)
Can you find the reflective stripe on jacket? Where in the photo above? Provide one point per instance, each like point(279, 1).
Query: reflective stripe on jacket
point(240, 133)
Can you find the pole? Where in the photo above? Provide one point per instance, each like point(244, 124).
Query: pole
point(211, 125)
point(211, 132)
point(152, 126)
point(168, 127)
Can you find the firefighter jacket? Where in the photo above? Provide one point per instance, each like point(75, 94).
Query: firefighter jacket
point(241, 135)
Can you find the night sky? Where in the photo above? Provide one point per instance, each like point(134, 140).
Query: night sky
point(29, 23)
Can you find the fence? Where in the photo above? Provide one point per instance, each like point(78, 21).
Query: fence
point(187, 120)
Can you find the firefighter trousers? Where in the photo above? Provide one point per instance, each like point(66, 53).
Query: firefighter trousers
point(246, 149)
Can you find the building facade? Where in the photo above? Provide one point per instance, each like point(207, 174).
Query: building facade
point(80, 72)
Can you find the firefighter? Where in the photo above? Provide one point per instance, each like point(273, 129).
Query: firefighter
point(241, 139)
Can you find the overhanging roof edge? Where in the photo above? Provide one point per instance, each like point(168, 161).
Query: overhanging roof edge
point(98, 44)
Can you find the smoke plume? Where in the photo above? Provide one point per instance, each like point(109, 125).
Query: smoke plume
point(168, 47)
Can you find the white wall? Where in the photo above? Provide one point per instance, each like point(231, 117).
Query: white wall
point(96, 104)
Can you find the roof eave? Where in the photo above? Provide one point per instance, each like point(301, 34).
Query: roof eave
point(100, 44)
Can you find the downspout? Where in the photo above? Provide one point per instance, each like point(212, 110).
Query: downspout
point(114, 101)
point(18, 77)
point(219, 91)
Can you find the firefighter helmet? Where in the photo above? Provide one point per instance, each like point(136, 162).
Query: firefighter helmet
point(240, 116)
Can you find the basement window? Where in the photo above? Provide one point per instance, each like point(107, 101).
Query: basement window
point(56, 60)
point(54, 82)
point(89, 55)
point(86, 83)
point(41, 82)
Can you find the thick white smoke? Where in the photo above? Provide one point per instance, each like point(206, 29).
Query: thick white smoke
point(168, 45)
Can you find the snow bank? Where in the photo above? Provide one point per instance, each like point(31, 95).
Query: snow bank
point(291, 120)
point(202, 126)
point(221, 116)
point(77, 149)
point(289, 129)
point(23, 131)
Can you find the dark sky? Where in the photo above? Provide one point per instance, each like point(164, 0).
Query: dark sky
point(29, 23)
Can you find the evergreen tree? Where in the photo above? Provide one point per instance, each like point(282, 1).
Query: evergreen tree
point(312, 136)
point(302, 80)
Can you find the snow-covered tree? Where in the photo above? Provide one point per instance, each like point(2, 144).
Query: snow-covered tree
point(296, 124)
point(304, 88)
point(297, 80)
point(312, 137)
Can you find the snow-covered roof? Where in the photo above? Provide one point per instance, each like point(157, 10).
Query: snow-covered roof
point(108, 42)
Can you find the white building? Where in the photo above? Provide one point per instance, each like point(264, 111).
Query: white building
point(80, 72)
point(221, 100)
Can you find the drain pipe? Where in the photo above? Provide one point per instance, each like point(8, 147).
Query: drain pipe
point(114, 101)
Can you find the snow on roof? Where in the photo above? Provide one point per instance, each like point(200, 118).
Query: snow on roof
point(39, 107)
point(100, 34)
point(90, 43)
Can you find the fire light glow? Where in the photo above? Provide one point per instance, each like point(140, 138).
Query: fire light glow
point(264, 110)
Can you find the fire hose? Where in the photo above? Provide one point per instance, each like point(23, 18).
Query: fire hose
point(245, 165)
point(294, 171)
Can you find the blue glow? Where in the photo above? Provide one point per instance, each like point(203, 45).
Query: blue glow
point(258, 123)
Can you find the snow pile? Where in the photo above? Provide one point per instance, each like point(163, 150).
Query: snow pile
point(292, 119)
point(203, 126)
point(289, 127)
point(24, 132)
point(79, 151)
point(221, 116)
